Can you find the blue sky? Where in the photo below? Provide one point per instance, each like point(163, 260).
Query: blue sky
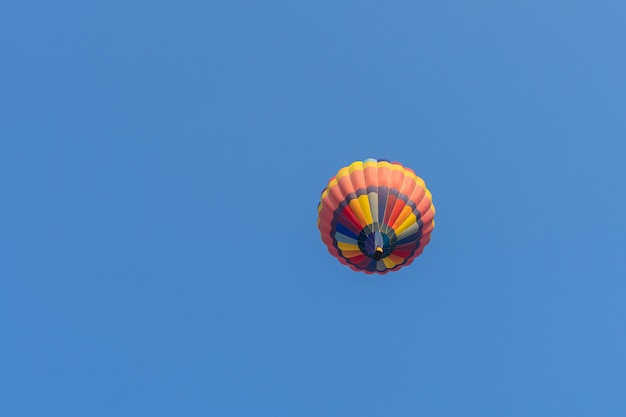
point(161, 164)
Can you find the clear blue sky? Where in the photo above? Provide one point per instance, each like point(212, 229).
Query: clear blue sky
point(161, 164)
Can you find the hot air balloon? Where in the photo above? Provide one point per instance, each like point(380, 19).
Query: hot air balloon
point(376, 216)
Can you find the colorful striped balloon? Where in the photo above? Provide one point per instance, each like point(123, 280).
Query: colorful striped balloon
point(376, 216)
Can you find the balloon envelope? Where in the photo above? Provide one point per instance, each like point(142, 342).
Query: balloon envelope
point(376, 216)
